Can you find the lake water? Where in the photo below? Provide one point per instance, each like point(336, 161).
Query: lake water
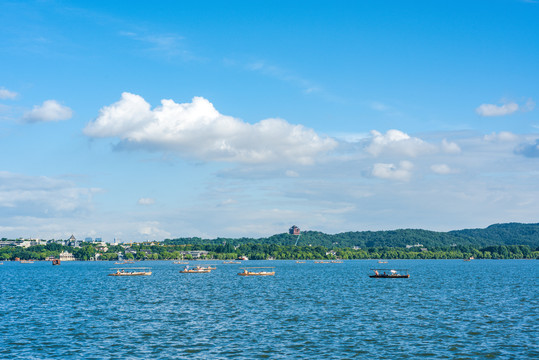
point(446, 309)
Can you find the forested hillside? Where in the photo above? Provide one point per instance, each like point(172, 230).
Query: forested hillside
point(499, 234)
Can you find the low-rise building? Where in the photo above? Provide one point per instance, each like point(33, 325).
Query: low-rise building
point(7, 243)
point(196, 254)
point(66, 256)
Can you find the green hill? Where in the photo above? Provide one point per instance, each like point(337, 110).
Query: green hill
point(498, 234)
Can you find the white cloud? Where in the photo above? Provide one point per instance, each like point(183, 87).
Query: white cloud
point(501, 136)
point(50, 110)
point(198, 129)
point(529, 106)
point(291, 173)
point(441, 169)
point(399, 143)
point(402, 172)
point(283, 75)
point(151, 230)
point(146, 201)
point(495, 110)
point(227, 202)
point(379, 106)
point(41, 195)
point(6, 94)
point(168, 45)
point(450, 147)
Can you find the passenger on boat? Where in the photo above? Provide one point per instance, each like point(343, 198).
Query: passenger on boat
point(376, 272)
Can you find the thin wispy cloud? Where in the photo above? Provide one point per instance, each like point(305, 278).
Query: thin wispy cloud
point(441, 169)
point(146, 201)
point(7, 94)
point(384, 108)
point(306, 86)
point(488, 110)
point(167, 45)
point(496, 110)
point(279, 73)
point(501, 136)
point(41, 195)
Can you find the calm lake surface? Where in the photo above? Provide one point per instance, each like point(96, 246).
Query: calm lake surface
point(446, 309)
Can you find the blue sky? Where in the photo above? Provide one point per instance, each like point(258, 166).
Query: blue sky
point(147, 121)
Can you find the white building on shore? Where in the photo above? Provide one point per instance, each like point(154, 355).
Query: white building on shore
point(66, 256)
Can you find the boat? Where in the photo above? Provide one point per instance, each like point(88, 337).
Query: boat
point(247, 272)
point(336, 261)
point(393, 274)
point(181, 262)
point(231, 262)
point(321, 262)
point(195, 270)
point(243, 257)
point(27, 261)
point(56, 261)
point(300, 262)
point(469, 259)
point(142, 271)
point(382, 262)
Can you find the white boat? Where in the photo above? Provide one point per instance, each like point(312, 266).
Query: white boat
point(246, 272)
point(131, 272)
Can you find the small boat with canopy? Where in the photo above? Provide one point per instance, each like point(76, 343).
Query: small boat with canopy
point(247, 271)
point(390, 273)
point(196, 270)
point(134, 271)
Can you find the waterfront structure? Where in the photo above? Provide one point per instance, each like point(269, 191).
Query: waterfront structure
point(196, 254)
point(66, 256)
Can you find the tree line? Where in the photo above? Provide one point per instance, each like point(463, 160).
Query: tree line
point(228, 251)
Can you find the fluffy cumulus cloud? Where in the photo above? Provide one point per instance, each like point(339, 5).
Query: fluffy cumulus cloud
point(198, 129)
point(7, 94)
point(395, 142)
point(50, 110)
point(400, 172)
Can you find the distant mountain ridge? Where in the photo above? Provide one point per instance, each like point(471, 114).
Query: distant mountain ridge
point(497, 234)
